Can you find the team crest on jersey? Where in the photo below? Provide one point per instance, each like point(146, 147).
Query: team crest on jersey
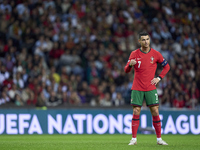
point(152, 59)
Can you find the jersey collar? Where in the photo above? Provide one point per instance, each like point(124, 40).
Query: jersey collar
point(145, 52)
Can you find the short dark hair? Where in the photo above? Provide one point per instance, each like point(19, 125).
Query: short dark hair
point(143, 33)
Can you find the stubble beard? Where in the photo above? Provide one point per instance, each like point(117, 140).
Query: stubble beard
point(146, 46)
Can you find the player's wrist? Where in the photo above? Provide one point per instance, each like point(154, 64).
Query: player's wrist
point(159, 78)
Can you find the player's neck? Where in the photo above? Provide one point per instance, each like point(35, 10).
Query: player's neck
point(145, 49)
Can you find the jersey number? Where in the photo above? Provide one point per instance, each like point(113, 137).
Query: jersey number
point(139, 63)
point(156, 96)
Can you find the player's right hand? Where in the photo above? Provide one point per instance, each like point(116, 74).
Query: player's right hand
point(132, 62)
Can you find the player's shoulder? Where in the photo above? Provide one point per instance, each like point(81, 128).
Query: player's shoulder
point(155, 51)
point(135, 51)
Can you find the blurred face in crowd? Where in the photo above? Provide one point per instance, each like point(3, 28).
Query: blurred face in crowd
point(144, 41)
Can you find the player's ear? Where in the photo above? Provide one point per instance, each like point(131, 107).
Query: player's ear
point(139, 41)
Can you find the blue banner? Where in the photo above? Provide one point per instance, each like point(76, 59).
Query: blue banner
point(93, 121)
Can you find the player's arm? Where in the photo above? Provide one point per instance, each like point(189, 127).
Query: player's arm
point(166, 68)
point(164, 71)
point(131, 62)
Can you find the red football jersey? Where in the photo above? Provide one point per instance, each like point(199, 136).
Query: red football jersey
point(145, 68)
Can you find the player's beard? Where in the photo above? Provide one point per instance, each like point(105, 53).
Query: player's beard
point(146, 45)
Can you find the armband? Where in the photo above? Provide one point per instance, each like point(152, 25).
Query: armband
point(164, 63)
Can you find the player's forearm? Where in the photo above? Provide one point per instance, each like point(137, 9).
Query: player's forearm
point(127, 68)
point(164, 71)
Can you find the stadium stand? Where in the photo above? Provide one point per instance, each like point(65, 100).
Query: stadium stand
point(72, 52)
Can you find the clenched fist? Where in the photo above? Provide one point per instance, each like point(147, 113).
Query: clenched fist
point(132, 62)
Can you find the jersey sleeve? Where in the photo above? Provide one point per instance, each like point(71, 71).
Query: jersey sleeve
point(164, 64)
point(160, 58)
point(127, 68)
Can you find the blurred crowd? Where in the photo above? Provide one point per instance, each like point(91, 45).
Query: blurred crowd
point(73, 52)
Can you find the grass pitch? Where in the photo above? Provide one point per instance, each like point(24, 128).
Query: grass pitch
point(97, 142)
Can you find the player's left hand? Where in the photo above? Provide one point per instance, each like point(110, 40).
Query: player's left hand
point(155, 81)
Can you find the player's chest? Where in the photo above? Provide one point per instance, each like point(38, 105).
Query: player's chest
point(145, 61)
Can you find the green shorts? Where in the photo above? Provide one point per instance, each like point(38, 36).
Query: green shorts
point(151, 98)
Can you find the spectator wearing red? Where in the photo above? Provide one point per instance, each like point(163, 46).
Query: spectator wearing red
point(94, 86)
point(8, 82)
point(179, 102)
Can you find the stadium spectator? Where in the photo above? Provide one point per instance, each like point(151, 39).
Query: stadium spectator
point(179, 101)
point(4, 97)
point(119, 100)
point(105, 101)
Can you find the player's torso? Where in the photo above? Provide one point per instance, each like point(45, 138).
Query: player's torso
point(144, 70)
point(146, 62)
